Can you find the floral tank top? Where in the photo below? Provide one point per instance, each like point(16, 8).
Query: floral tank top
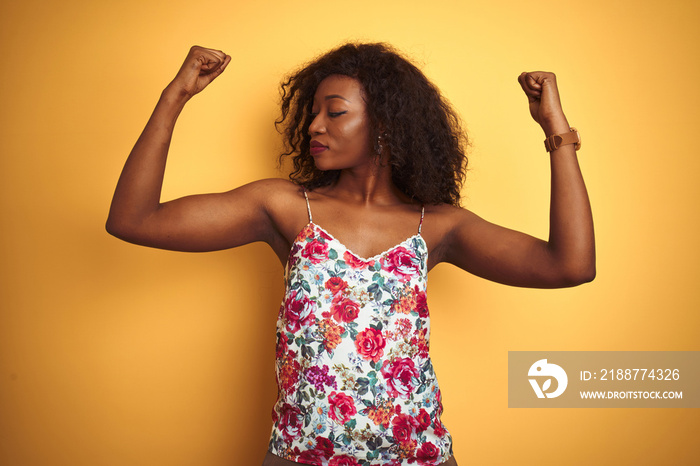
point(355, 382)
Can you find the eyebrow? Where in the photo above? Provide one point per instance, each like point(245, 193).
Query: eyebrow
point(335, 96)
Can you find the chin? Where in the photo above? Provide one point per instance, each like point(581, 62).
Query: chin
point(325, 166)
point(321, 166)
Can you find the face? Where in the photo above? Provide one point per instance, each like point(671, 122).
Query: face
point(340, 134)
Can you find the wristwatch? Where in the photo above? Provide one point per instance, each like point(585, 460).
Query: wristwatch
point(555, 141)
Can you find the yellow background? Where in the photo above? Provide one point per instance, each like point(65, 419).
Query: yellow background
point(112, 354)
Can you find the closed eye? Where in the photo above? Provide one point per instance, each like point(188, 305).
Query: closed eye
point(330, 114)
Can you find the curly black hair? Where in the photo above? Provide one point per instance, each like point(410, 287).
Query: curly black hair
point(420, 128)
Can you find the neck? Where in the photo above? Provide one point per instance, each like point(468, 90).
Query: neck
point(370, 185)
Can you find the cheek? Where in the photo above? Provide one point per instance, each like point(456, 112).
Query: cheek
point(358, 133)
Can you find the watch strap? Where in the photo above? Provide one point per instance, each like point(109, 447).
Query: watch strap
point(555, 141)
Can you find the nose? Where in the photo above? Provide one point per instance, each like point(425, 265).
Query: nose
point(317, 126)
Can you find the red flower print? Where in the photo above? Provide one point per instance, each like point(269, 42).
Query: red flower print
point(401, 376)
point(423, 419)
point(402, 263)
point(355, 262)
point(315, 457)
point(290, 422)
point(440, 430)
point(344, 309)
point(335, 284)
point(282, 346)
point(404, 327)
point(420, 342)
point(342, 408)
point(315, 251)
point(343, 461)
point(293, 257)
point(322, 233)
point(370, 344)
point(325, 446)
point(427, 454)
point(320, 454)
point(403, 427)
point(311, 457)
point(421, 303)
point(298, 311)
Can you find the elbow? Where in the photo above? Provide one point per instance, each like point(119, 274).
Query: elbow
point(114, 229)
point(110, 227)
point(578, 274)
point(119, 229)
point(585, 276)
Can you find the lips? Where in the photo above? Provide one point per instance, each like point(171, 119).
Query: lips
point(316, 148)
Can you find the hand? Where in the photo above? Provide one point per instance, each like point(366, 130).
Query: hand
point(200, 68)
point(543, 96)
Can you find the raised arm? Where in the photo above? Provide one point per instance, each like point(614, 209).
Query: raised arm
point(514, 258)
point(193, 223)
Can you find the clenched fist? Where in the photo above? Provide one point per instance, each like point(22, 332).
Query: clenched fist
point(543, 97)
point(200, 68)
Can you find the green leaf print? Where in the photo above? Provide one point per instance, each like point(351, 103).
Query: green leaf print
point(363, 383)
point(344, 438)
point(374, 290)
point(307, 351)
point(352, 328)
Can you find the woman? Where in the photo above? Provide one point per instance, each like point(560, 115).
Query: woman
point(372, 206)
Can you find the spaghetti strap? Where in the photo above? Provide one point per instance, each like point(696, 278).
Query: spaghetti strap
point(308, 209)
point(420, 225)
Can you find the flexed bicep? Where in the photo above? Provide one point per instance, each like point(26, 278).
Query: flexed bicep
point(193, 223)
point(205, 222)
point(567, 257)
point(508, 256)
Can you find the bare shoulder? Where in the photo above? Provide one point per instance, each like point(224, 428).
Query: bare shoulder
point(284, 204)
point(268, 194)
point(278, 193)
point(445, 217)
point(270, 187)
